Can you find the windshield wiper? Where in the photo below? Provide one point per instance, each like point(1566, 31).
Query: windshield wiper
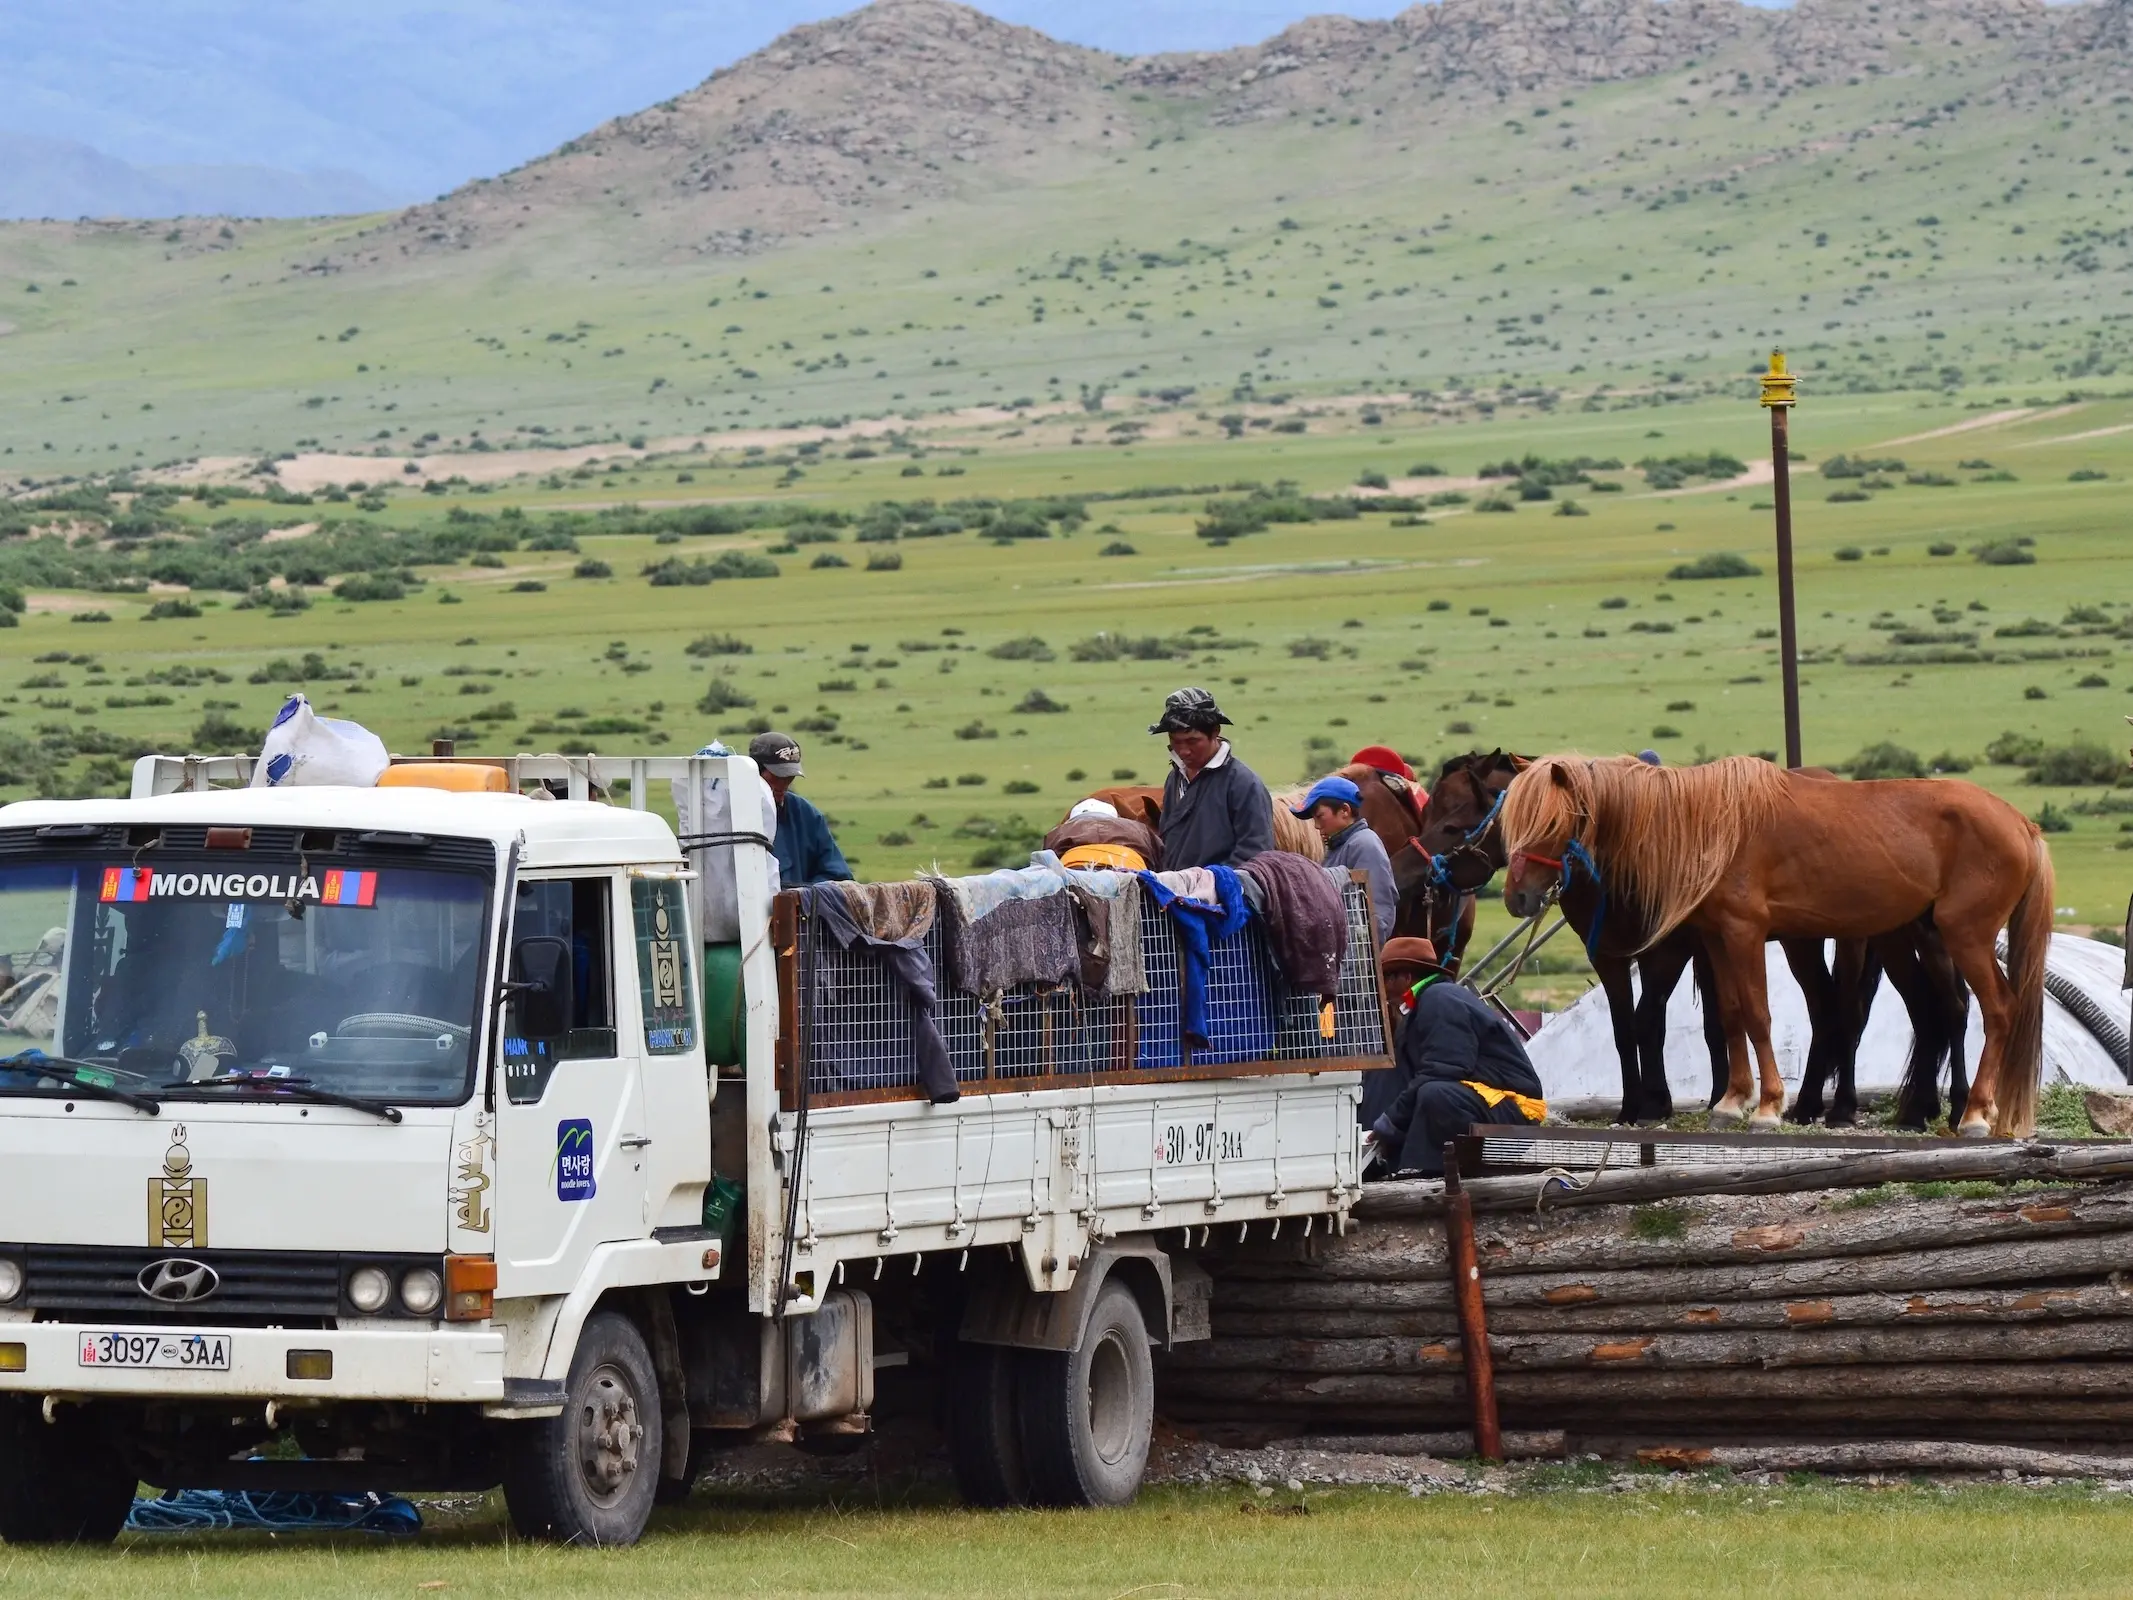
point(296, 1089)
point(76, 1075)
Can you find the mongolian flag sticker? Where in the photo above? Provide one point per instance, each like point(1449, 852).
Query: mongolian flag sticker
point(349, 888)
point(126, 883)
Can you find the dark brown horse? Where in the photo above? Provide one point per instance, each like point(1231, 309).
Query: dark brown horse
point(1452, 853)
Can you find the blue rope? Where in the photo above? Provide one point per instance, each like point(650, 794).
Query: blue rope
point(1575, 855)
point(1482, 826)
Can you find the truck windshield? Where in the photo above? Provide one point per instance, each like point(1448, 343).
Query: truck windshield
point(361, 981)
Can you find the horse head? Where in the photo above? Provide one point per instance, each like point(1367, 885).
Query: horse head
point(1541, 825)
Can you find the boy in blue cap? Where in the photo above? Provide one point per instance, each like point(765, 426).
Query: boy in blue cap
point(1335, 808)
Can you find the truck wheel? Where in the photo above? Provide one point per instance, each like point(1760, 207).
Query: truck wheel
point(983, 1435)
point(589, 1475)
point(60, 1483)
point(1087, 1412)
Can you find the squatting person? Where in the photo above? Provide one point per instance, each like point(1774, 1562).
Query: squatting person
point(1457, 1063)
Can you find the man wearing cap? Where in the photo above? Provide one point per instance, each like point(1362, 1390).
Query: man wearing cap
point(1216, 812)
point(1457, 1063)
point(806, 850)
point(1335, 808)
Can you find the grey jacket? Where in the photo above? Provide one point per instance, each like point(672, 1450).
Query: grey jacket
point(1222, 818)
point(1356, 847)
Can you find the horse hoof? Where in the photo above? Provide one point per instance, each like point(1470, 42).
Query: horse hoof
point(1763, 1122)
point(1725, 1117)
point(1979, 1129)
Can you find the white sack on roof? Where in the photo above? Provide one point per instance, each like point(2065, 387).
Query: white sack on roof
point(305, 748)
point(1574, 1052)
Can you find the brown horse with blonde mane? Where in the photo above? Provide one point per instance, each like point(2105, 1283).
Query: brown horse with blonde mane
point(1743, 852)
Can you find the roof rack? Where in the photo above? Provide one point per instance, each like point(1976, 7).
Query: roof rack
point(160, 774)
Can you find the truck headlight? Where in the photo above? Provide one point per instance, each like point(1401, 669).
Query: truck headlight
point(10, 1279)
point(421, 1290)
point(368, 1289)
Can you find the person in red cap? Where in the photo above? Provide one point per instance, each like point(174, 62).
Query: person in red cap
point(1457, 1063)
point(1385, 759)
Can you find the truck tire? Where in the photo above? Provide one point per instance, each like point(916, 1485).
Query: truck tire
point(589, 1476)
point(60, 1482)
point(984, 1437)
point(1087, 1412)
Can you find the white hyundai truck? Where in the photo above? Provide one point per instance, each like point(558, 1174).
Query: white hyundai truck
point(414, 1137)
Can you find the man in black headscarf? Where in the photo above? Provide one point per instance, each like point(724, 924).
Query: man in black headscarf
point(1216, 812)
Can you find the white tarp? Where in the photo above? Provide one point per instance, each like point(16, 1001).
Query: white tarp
point(1574, 1052)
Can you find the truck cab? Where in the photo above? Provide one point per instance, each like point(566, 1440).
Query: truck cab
point(365, 1138)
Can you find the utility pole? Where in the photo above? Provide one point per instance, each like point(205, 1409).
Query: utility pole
point(1778, 398)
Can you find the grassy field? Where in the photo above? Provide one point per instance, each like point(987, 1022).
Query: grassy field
point(1530, 629)
point(1653, 1540)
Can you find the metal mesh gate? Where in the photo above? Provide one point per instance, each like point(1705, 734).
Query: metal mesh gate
point(860, 1041)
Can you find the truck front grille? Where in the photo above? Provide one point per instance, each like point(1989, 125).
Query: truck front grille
point(250, 1285)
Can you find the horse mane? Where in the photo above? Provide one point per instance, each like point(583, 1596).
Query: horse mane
point(1291, 832)
point(1660, 836)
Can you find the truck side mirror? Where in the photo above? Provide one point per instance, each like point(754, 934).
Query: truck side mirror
point(541, 986)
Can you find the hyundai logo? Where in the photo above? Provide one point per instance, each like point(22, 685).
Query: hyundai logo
point(176, 1281)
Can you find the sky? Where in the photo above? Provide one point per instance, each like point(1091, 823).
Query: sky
point(419, 96)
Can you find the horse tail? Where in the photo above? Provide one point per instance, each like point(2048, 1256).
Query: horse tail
point(2029, 932)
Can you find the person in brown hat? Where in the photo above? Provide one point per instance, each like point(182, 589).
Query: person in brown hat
point(1457, 1062)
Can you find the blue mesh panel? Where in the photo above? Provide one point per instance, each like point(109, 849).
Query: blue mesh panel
point(858, 1033)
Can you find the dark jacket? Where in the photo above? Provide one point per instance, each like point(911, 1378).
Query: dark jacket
point(1453, 1036)
point(1357, 847)
point(804, 846)
point(1223, 817)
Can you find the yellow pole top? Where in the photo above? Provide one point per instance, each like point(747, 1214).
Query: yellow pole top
point(1778, 384)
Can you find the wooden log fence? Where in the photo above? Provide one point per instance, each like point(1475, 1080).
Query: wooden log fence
point(1768, 1327)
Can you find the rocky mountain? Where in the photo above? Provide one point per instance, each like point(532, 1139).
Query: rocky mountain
point(907, 102)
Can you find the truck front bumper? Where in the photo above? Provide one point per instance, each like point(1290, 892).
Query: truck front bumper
point(441, 1365)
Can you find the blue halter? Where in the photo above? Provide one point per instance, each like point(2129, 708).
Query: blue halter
point(1576, 856)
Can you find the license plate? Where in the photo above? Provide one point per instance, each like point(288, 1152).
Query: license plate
point(140, 1349)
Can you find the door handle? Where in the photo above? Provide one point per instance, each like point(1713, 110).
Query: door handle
point(634, 1141)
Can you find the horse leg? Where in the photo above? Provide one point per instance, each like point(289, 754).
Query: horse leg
point(1858, 976)
point(1972, 954)
point(1660, 968)
point(1804, 956)
point(1731, 1108)
point(1622, 1015)
point(1714, 1022)
point(1918, 1101)
point(1951, 1001)
point(1740, 955)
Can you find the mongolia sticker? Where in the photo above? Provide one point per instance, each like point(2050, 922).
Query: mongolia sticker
point(122, 885)
point(574, 1159)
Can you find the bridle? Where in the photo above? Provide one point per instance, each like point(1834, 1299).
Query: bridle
point(1575, 858)
point(1440, 884)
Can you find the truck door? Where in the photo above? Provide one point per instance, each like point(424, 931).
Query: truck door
point(677, 1088)
point(570, 1138)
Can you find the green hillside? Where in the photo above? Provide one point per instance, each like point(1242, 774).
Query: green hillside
point(1954, 223)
